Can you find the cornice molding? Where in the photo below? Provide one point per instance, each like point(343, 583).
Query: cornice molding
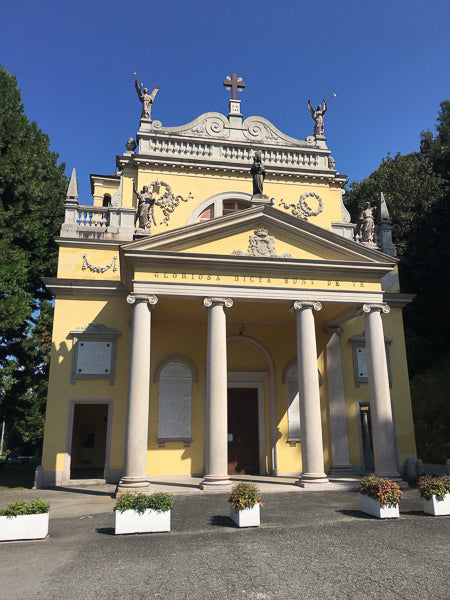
point(73, 287)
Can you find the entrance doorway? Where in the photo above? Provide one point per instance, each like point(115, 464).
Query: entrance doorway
point(88, 452)
point(243, 435)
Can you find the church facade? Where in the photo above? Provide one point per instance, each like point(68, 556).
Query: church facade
point(214, 316)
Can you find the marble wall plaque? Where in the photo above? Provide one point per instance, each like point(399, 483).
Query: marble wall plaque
point(175, 398)
point(94, 358)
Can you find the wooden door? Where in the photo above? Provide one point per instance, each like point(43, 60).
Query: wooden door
point(243, 438)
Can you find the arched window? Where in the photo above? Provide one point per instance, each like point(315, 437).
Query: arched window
point(220, 204)
point(175, 400)
point(207, 214)
point(107, 200)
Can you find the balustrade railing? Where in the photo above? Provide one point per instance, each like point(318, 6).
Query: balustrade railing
point(97, 217)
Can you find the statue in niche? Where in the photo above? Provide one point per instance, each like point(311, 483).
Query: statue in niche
point(146, 99)
point(365, 226)
point(145, 213)
point(258, 173)
point(318, 116)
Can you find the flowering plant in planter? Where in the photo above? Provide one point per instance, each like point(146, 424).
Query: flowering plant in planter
point(436, 494)
point(22, 507)
point(245, 502)
point(244, 495)
point(434, 486)
point(140, 502)
point(381, 489)
point(24, 520)
point(138, 513)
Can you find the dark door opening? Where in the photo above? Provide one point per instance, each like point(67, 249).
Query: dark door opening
point(366, 430)
point(243, 437)
point(89, 441)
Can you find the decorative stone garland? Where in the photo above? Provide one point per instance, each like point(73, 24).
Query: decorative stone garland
point(167, 202)
point(302, 209)
point(94, 269)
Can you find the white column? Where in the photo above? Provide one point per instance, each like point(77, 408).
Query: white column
point(135, 468)
point(313, 473)
point(216, 443)
point(380, 397)
point(336, 401)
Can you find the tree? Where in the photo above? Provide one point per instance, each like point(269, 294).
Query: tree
point(32, 191)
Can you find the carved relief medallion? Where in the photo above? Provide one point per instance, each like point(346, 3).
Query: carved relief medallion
point(261, 244)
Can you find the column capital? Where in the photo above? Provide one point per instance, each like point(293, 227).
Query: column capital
point(330, 329)
point(226, 302)
point(302, 304)
point(151, 299)
point(369, 308)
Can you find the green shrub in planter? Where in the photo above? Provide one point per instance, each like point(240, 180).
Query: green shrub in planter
point(381, 489)
point(22, 507)
point(140, 502)
point(434, 486)
point(244, 495)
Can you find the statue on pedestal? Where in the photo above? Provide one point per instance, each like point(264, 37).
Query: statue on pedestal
point(259, 173)
point(146, 98)
point(318, 116)
point(365, 226)
point(145, 213)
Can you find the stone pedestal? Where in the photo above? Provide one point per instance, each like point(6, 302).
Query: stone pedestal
point(216, 477)
point(134, 476)
point(380, 398)
point(313, 473)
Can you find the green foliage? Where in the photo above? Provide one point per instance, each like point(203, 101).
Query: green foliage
point(430, 392)
point(140, 502)
point(32, 192)
point(433, 486)
point(22, 507)
point(381, 489)
point(244, 495)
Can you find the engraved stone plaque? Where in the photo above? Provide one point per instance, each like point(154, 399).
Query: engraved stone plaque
point(361, 361)
point(94, 358)
point(175, 398)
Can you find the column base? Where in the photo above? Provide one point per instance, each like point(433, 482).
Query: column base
point(342, 471)
point(313, 481)
point(393, 476)
point(134, 485)
point(216, 483)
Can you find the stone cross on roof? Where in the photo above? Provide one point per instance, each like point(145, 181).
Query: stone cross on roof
point(234, 83)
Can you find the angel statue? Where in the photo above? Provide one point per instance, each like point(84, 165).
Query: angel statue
point(318, 116)
point(146, 99)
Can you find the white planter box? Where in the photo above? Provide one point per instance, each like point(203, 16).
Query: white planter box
point(24, 527)
point(436, 507)
point(150, 521)
point(249, 517)
point(372, 507)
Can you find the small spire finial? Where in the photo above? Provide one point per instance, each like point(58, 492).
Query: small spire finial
point(72, 190)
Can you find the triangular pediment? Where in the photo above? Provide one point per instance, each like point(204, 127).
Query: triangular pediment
point(261, 232)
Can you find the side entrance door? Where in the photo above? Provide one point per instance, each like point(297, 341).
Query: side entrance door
point(243, 438)
point(89, 441)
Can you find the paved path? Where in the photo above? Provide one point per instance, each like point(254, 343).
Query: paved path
point(311, 545)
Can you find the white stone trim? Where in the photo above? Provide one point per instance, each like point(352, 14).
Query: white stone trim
point(252, 380)
point(65, 474)
point(176, 358)
point(217, 200)
point(262, 294)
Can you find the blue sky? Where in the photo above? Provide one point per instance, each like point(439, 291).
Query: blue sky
point(387, 61)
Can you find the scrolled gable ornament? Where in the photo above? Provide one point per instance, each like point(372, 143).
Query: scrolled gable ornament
point(305, 207)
